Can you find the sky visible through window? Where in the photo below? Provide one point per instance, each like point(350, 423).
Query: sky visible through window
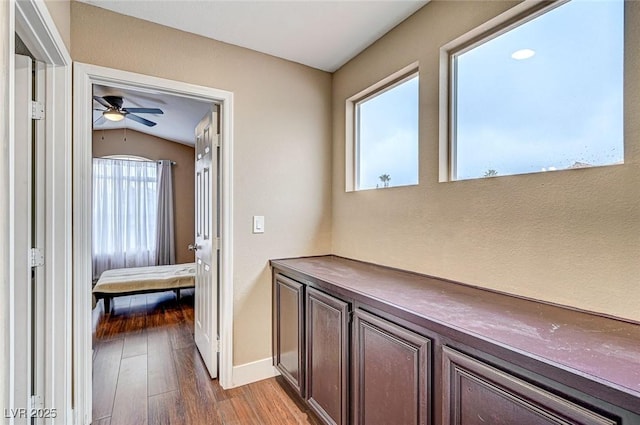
point(388, 137)
point(560, 108)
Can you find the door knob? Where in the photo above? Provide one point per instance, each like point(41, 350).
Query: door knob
point(194, 247)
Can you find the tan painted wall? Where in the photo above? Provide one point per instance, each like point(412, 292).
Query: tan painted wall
point(570, 237)
point(111, 142)
point(60, 11)
point(282, 146)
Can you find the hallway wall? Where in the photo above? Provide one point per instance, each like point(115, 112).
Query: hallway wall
point(282, 146)
point(569, 237)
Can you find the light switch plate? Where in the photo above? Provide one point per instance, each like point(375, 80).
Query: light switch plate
point(258, 224)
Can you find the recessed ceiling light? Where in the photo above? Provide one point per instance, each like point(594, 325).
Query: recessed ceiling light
point(523, 54)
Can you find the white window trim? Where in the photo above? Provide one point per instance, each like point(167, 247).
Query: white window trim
point(351, 116)
point(514, 17)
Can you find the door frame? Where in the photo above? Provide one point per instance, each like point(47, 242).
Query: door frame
point(32, 21)
point(85, 75)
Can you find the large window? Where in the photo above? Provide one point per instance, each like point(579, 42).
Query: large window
point(125, 205)
point(543, 95)
point(386, 136)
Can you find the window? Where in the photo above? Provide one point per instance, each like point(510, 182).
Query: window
point(543, 94)
point(125, 204)
point(386, 135)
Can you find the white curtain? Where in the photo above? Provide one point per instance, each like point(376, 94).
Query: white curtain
point(125, 201)
point(165, 238)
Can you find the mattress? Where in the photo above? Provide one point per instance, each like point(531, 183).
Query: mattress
point(153, 278)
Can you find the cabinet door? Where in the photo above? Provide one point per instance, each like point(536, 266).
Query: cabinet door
point(390, 373)
point(288, 330)
point(327, 356)
point(479, 394)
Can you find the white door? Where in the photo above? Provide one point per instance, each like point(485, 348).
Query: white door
point(207, 244)
point(27, 226)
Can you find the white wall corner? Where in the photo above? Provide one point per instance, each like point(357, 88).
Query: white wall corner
point(252, 372)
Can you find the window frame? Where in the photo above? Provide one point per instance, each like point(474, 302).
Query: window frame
point(352, 121)
point(503, 23)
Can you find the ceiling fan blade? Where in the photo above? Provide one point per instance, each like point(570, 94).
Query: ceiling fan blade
point(102, 101)
point(101, 119)
point(144, 110)
point(140, 120)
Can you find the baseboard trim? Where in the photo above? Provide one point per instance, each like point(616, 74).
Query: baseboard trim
point(252, 372)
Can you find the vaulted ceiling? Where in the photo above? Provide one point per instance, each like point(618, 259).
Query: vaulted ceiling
point(177, 123)
point(320, 34)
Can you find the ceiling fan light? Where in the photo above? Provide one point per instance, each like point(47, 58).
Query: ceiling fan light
point(113, 115)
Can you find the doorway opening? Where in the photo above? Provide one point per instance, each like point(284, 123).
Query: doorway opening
point(148, 332)
point(175, 314)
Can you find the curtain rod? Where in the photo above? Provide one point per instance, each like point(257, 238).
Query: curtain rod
point(137, 159)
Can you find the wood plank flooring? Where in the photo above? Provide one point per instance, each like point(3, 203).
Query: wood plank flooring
point(147, 371)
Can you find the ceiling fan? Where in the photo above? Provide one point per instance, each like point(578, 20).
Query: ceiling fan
point(115, 111)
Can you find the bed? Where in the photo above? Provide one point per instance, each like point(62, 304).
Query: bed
point(142, 280)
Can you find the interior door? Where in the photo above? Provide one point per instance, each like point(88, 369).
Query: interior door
point(27, 223)
point(207, 242)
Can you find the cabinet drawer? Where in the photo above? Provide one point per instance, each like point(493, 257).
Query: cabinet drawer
point(478, 394)
point(391, 376)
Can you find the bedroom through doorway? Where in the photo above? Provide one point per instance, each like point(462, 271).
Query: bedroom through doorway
point(143, 265)
point(140, 335)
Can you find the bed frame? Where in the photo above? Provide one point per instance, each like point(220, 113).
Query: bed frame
point(108, 297)
point(145, 278)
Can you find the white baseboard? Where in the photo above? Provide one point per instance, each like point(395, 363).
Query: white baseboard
point(252, 372)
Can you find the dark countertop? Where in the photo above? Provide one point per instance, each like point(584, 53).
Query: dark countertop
point(600, 349)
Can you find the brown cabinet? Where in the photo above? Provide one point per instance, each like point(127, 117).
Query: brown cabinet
point(488, 358)
point(327, 338)
point(288, 330)
point(478, 394)
point(391, 379)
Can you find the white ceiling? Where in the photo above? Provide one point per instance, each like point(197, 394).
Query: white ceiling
point(320, 34)
point(177, 123)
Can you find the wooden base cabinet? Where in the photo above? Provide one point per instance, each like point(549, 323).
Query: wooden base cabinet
point(478, 394)
point(349, 337)
point(327, 356)
point(391, 374)
point(288, 330)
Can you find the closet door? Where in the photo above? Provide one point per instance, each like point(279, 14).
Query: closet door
point(27, 221)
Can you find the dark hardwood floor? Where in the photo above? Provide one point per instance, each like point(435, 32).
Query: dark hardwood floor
point(147, 370)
